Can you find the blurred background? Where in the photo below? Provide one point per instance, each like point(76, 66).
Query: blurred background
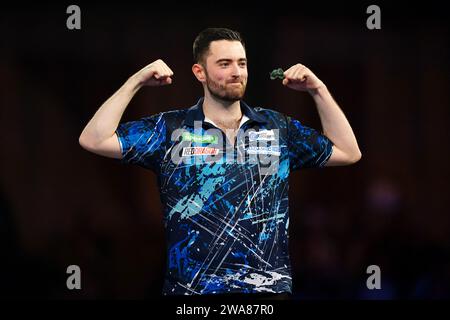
point(61, 205)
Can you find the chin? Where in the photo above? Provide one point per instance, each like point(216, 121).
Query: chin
point(234, 97)
point(235, 94)
point(229, 95)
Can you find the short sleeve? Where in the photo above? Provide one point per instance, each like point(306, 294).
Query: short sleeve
point(142, 142)
point(308, 148)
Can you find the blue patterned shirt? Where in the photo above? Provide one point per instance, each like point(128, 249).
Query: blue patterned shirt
point(225, 204)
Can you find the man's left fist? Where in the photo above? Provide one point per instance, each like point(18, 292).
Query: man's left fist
point(299, 77)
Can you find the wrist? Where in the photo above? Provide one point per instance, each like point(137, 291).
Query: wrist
point(318, 90)
point(133, 83)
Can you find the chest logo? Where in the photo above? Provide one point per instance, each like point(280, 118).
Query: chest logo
point(198, 138)
point(273, 150)
point(263, 135)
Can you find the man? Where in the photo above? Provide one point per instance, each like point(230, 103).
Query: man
point(223, 167)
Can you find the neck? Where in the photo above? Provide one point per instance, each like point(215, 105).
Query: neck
point(226, 113)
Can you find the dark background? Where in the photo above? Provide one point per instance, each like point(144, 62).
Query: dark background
point(61, 205)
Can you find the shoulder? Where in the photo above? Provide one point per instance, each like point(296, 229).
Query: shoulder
point(176, 113)
point(175, 118)
point(165, 117)
point(278, 116)
point(271, 114)
point(267, 111)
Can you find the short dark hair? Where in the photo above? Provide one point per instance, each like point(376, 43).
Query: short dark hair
point(204, 39)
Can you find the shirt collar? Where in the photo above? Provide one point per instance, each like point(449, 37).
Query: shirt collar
point(243, 120)
point(195, 113)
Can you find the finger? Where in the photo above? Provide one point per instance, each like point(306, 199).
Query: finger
point(164, 81)
point(299, 74)
point(168, 71)
point(162, 76)
point(290, 73)
point(165, 72)
point(285, 81)
point(162, 73)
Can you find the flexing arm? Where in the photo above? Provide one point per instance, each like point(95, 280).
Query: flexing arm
point(337, 128)
point(334, 123)
point(99, 134)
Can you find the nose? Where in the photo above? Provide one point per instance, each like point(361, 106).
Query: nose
point(236, 70)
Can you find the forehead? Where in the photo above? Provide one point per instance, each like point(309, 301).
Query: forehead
point(225, 49)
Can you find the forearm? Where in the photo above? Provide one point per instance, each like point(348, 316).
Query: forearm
point(107, 118)
point(334, 123)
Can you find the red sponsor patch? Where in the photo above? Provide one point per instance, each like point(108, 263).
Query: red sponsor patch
point(199, 151)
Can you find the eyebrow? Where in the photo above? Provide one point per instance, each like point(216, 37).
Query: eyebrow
point(229, 60)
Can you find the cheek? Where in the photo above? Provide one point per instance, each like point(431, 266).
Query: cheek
point(220, 76)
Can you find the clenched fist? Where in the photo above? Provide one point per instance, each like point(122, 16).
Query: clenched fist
point(299, 77)
point(156, 73)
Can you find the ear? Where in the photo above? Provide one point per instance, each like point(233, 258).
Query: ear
point(199, 72)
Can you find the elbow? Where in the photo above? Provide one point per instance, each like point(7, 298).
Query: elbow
point(85, 142)
point(82, 141)
point(355, 157)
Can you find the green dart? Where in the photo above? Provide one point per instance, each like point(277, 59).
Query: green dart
point(277, 73)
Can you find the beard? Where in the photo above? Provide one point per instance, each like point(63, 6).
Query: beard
point(228, 91)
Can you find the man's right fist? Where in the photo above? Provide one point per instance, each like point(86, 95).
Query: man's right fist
point(156, 73)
